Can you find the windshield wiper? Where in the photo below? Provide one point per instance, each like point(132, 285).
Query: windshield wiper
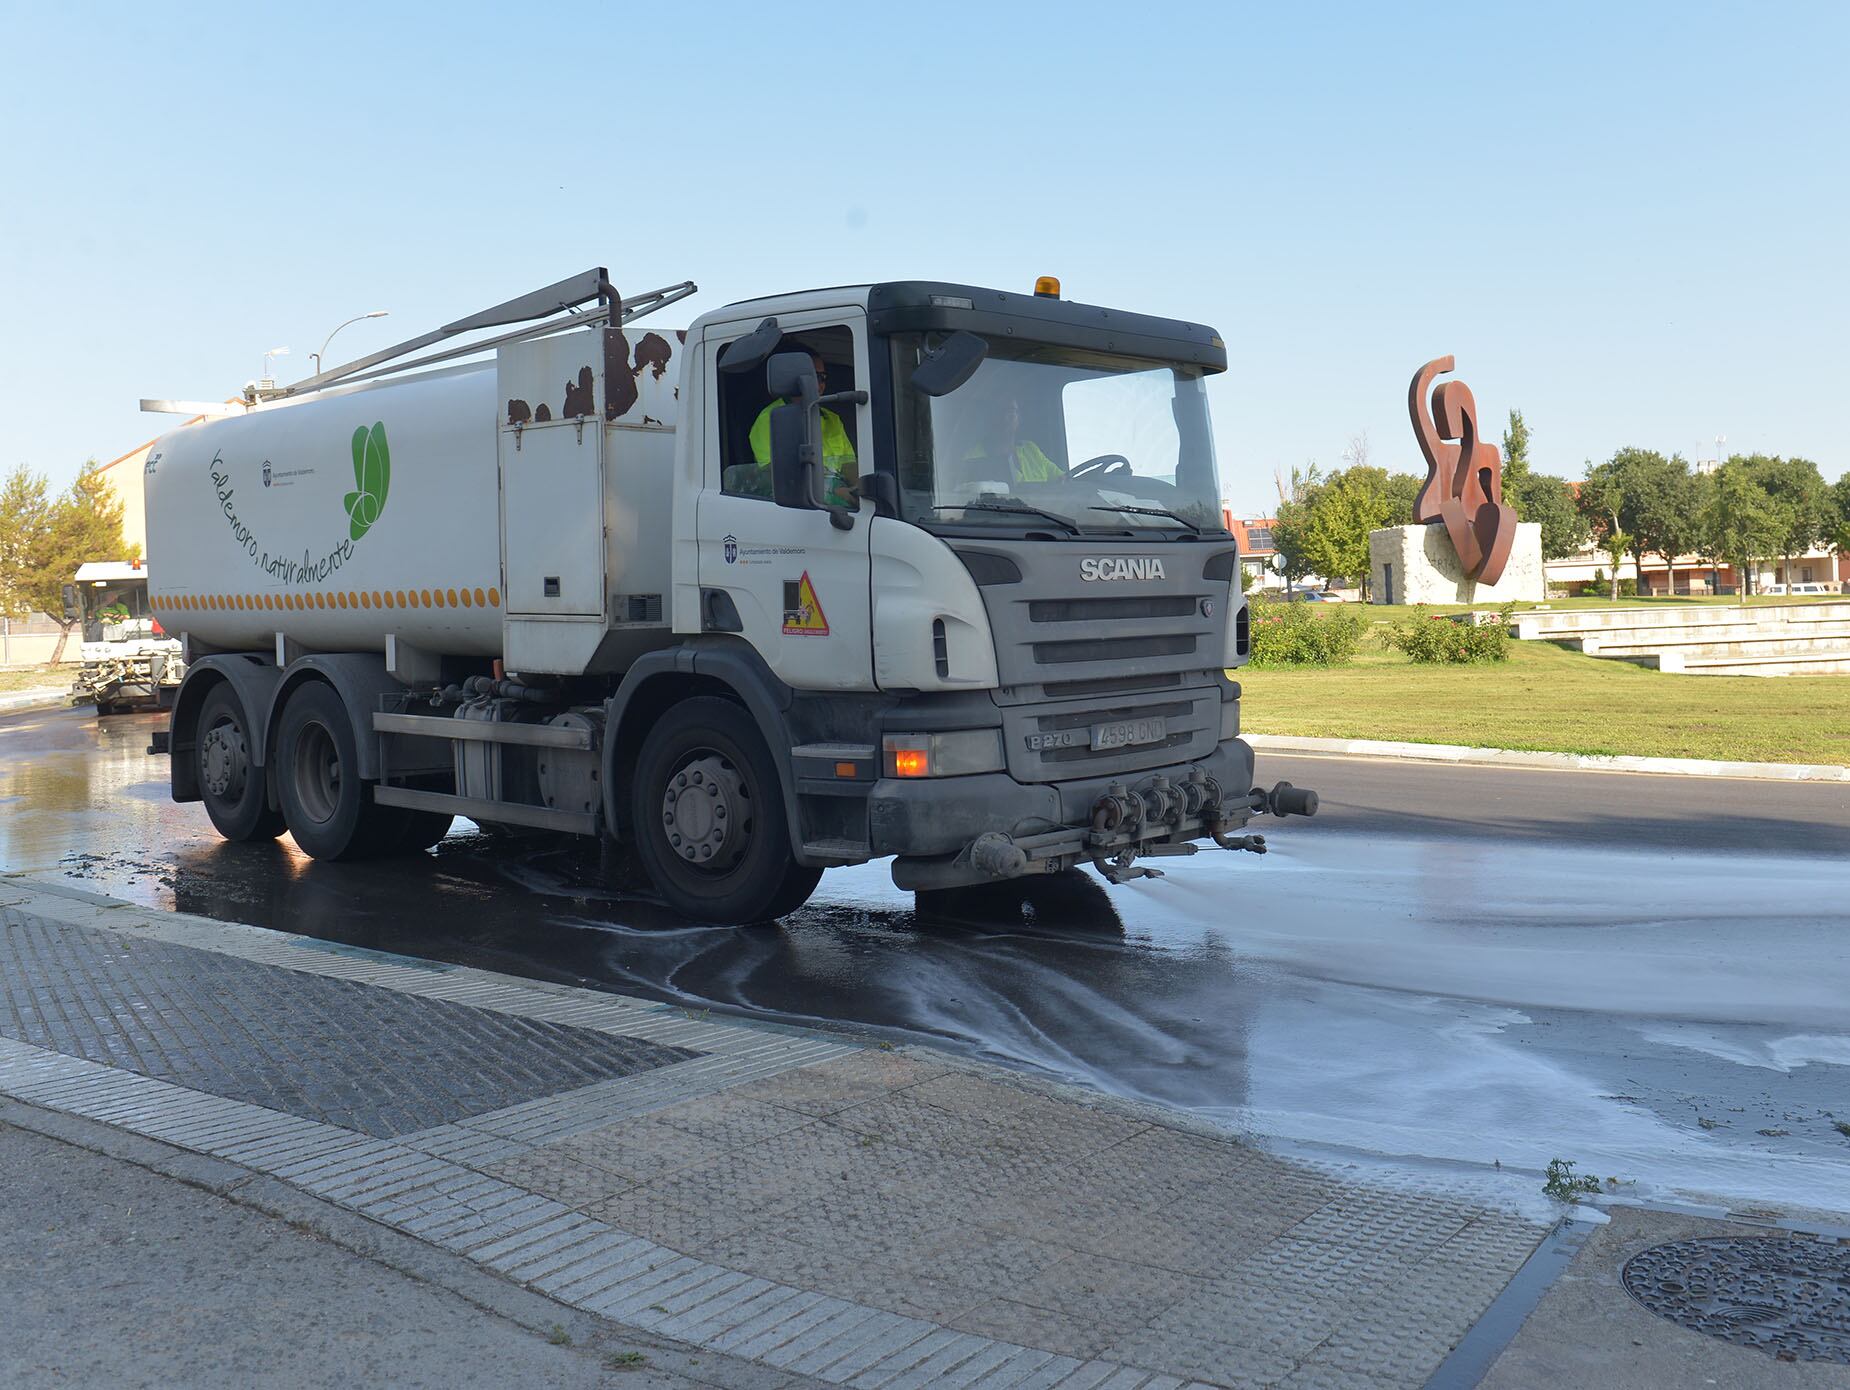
point(1013, 504)
point(1151, 511)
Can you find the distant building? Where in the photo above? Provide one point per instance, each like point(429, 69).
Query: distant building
point(1257, 550)
point(125, 477)
point(1693, 575)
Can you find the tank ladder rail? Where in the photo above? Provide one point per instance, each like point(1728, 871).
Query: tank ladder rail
point(563, 297)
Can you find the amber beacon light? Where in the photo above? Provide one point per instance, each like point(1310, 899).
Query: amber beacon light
point(1047, 287)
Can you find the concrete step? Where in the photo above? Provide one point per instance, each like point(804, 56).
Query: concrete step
point(1694, 646)
point(1613, 640)
point(1834, 665)
point(1559, 622)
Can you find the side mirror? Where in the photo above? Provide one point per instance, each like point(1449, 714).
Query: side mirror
point(791, 454)
point(949, 365)
point(791, 376)
point(748, 353)
point(73, 610)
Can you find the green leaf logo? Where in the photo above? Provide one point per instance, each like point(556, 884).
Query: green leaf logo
point(372, 477)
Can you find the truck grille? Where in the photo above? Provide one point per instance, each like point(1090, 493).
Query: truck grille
point(1073, 654)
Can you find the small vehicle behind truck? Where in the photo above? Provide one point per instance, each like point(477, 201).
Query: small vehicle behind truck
point(129, 660)
point(911, 570)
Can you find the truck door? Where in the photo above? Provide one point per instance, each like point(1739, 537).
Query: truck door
point(799, 585)
point(552, 478)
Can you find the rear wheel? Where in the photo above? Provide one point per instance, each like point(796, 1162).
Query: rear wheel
point(709, 817)
point(329, 808)
point(230, 784)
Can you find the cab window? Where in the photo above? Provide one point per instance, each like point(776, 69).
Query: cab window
point(744, 405)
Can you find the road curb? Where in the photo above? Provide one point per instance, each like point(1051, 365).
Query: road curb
point(44, 697)
point(1563, 762)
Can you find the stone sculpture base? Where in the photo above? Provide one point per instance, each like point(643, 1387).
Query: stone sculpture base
point(1417, 564)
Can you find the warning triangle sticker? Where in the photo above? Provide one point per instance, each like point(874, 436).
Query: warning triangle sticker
point(803, 616)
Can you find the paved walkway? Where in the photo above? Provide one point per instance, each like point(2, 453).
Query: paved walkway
point(837, 1213)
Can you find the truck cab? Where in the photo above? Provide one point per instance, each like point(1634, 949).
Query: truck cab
point(1026, 603)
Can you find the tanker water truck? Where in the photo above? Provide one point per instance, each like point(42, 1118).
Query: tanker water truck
point(909, 569)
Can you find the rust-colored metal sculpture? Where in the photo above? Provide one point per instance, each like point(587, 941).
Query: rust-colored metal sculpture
point(1464, 480)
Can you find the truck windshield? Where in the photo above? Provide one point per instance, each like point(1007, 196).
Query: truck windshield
point(1097, 442)
point(116, 611)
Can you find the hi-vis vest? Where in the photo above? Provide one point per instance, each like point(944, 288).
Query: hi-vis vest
point(1031, 465)
point(837, 452)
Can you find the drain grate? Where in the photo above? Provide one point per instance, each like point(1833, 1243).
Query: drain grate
point(1790, 1298)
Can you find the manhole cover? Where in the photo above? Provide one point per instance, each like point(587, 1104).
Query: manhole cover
point(1790, 1298)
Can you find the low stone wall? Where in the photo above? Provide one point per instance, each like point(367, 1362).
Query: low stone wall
point(1417, 564)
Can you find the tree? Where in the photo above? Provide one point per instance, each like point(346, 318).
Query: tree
point(1840, 515)
point(1797, 490)
point(1323, 529)
point(1656, 510)
point(25, 518)
point(1516, 456)
point(1601, 500)
point(1550, 501)
point(44, 539)
point(1741, 522)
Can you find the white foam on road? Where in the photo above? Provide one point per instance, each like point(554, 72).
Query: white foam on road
point(1375, 999)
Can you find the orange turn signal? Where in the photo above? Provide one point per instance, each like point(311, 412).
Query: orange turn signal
point(911, 762)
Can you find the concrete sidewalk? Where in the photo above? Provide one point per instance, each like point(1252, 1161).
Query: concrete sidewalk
point(759, 1200)
point(39, 697)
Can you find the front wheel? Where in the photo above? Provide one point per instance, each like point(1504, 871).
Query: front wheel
point(709, 817)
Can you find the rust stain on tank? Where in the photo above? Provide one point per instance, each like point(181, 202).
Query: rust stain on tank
point(580, 398)
point(653, 354)
point(518, 412)
point(620, 391)
point(542, 413)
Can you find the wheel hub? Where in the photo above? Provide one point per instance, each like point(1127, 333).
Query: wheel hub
point(223, 761)
point(706, 812)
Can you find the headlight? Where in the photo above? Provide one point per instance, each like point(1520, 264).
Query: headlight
point(943, 755)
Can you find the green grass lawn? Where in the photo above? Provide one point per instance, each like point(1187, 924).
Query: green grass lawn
point(32, 677)
point(1547, 698)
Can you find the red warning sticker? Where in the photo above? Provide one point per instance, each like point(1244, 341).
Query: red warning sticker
point(803, 616)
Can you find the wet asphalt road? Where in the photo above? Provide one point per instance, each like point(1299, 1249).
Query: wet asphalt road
point(1451, 975)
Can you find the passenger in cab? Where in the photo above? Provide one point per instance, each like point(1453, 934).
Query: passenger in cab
point(1026, 461)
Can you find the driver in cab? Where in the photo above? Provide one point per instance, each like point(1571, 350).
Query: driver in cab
point(837, 452)
point(1027, 463)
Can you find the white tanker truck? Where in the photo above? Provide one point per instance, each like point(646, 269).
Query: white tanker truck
point(910, 569)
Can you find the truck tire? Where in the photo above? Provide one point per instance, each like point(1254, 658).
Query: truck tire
point(709, 817)
point(329, 808)
point(232, 787)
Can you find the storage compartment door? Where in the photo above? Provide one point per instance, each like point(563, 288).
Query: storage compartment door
point(552, 518)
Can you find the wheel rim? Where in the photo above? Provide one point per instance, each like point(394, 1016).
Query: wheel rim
point(224, 761)
point(317, 772)
point(707, 812)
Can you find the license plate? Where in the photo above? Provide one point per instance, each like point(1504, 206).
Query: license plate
point(1128, 732)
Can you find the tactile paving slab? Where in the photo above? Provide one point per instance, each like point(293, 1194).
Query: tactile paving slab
point(373, 1060)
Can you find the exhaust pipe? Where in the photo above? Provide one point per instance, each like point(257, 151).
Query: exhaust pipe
point(1286, 800)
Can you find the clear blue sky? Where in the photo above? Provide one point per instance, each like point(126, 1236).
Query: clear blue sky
point(1628, 220)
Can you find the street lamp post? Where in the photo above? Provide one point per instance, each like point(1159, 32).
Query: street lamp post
point(376, 314)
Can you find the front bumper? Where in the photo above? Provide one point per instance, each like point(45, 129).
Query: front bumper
point(952, 831)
